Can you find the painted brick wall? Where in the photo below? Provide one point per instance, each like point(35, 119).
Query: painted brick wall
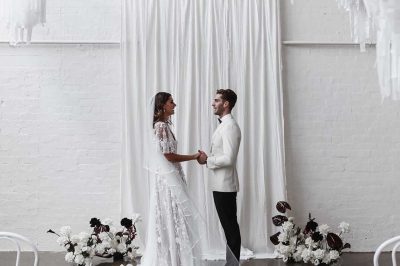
point(342, 142)
point(60, 124)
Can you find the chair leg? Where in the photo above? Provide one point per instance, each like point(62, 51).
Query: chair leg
point(382, 246)
point(394, 261)
point(18, 247)
point(15, 237)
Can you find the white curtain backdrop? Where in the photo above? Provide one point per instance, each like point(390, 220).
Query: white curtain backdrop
point(192, 48)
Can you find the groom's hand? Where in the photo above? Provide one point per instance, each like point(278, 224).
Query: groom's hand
point(202, 159)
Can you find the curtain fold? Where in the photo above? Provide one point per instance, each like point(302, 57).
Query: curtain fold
point(190, 49)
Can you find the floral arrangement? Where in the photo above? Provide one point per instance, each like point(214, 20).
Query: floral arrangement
point(105, 240)
point(316, 244)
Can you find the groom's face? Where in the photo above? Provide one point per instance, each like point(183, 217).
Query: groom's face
point(218, 105)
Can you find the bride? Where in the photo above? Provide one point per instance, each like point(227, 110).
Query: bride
point(175, 231)
point(173, 237)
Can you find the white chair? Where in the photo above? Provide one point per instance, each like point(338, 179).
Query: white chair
point(394, 240)
point(16, 239)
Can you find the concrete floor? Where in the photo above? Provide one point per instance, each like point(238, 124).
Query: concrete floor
point(57, 259)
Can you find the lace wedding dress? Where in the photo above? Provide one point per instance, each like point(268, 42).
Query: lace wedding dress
point(173, 237)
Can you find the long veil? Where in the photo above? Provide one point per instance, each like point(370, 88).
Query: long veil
point(185, 237)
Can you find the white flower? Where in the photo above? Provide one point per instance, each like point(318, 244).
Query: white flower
point(297, 255)
point(75, 239)
point(344, 227)
point(62, 240)
point(323, 229)
point(100, 248)
point(121, 248)
point(136, 217)
point(65, 231)
point(300, 248)
point(306, 255)
point(287, 226)
point(114, 230)
point(79, 259)
point(283, 237)
point(326, 259)
point(334, 255)
point(78, 250)
point(107, 244)
point(86, 249)
point(310, 243)
point(319, 254)
point(293, 240)
point(316, 262)
point(111, 251)
point(69, 257)
point(84, 237)
point(133, 254)
point(107, 221)
point(104, 236)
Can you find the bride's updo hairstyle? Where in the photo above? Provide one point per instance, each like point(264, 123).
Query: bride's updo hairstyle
point(160, 99)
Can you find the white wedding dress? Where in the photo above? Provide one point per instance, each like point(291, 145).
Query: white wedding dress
point(173, 237)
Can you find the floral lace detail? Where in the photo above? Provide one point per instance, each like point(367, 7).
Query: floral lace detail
point(175, 225)
point(174, 244)
point(168, 143)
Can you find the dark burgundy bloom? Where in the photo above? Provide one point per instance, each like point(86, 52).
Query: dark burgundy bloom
point(347, 245)
point(126, 222)
point(94, 222)
point(316, 236)
point(278, 220)
point(274, 238)
point(311, 226)
point(334, 241)
point(282, 206)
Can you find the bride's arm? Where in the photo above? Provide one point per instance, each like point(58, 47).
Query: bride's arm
point(166, 146)
point(174, 157)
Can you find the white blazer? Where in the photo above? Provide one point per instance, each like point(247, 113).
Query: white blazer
point(222, 159)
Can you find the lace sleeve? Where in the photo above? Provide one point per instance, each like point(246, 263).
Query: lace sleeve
point(164, 137)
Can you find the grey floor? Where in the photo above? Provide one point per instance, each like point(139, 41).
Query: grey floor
point(57, 259)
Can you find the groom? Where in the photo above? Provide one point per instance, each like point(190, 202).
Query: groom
point(222, 162)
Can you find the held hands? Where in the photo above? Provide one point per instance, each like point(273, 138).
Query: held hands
point(202, 159)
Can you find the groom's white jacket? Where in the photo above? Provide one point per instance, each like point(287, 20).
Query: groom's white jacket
point(222, 160)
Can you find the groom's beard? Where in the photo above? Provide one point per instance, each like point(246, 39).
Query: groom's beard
point(218, 112)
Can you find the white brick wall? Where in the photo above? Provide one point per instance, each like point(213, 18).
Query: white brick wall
point(342, 142)
point(60, 126)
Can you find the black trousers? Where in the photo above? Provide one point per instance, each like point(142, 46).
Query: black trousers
point(225, 203)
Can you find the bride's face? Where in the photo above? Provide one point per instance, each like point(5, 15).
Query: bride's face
point(169, 107)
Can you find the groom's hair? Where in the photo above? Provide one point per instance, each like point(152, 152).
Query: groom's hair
point(228, 95)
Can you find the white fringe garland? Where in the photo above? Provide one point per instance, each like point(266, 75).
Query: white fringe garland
point(21, 16)
point(384, 16)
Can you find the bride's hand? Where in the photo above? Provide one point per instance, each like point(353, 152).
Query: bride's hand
point(202, 158)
